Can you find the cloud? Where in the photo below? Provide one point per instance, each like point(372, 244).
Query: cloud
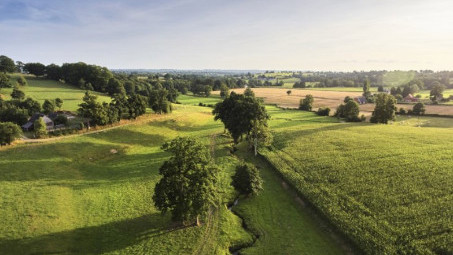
point(232, 34)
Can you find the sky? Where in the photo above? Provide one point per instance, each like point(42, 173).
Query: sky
point(321, 35)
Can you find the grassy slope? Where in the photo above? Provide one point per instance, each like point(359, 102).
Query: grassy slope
point(75, 196)
point(41, 89)
point(381, 184)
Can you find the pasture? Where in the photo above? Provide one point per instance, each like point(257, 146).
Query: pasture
point(92, 194)
point(41, 89)
point(388, 187)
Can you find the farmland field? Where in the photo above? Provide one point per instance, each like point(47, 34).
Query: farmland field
point(329, 99)
point(388, 187)
point(92, 194)
point(41, 89)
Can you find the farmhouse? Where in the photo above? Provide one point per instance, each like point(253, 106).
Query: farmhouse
point(29, 126)
point(360, 100)
point(410, 98)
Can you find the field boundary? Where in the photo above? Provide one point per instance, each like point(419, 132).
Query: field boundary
point(314, 211)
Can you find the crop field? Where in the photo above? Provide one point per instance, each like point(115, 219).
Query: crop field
point(41, 89)
point(92, 194)
point(388, 187)
point(326, 98)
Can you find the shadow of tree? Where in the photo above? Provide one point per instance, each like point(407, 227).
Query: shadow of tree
point(93, 240)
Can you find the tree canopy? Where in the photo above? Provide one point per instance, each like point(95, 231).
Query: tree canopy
point(306, 104)
point(7, 64)
point(9, 132)
point(247, 179)
point(385, 108)
point(238, 113)
point(187, 188)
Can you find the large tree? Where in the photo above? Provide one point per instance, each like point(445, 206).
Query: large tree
point(9, 132)
point(7, 65)
point(37, 69)
point(436, 91)
point(91, 109)
point(385, 109)
point(238, 113)
point(187, 188)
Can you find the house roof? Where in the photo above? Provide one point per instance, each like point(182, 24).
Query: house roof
point(37, 116)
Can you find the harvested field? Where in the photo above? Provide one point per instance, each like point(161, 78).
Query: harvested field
point(329, 99)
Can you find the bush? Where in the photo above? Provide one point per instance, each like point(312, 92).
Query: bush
point(349, 111)
point(9, 132)
point(306, 104)
point(402, 111)
point(419, 109)
point(247, 179)
point(61, 119)
point(323, 111)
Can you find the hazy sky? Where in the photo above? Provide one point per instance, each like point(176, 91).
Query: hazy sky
point(232, 34)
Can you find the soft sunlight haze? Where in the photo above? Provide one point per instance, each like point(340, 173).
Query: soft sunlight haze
point(196, 34)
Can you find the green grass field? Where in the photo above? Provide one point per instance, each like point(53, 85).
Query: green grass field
point(74, 195)
point(41, 89)
point(388, 187)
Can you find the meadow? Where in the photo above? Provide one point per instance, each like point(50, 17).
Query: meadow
point(388, 187)
point(92, 194)
point(41, 89)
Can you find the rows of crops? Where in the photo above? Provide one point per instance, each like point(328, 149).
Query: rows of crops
point(389, 188)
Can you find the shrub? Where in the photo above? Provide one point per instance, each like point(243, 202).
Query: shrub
point(247, 179)
point(323, 111)
point(306, 104)
point(61, 119)
point(9, 132)
point(402, 111)
point(419, 109)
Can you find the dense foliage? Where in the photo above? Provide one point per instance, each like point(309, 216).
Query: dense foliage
point(247, 179)
point(306, 104)
point(349, 111)
point(187, 188)
point(385, 109)
point(239, 113)
point(9, 132)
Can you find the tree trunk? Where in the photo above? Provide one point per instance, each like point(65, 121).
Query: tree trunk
point(198, 221)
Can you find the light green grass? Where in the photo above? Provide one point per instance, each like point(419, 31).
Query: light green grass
point(380, 184)
point(41, 89)
point(195, 100)
point(75, 196)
